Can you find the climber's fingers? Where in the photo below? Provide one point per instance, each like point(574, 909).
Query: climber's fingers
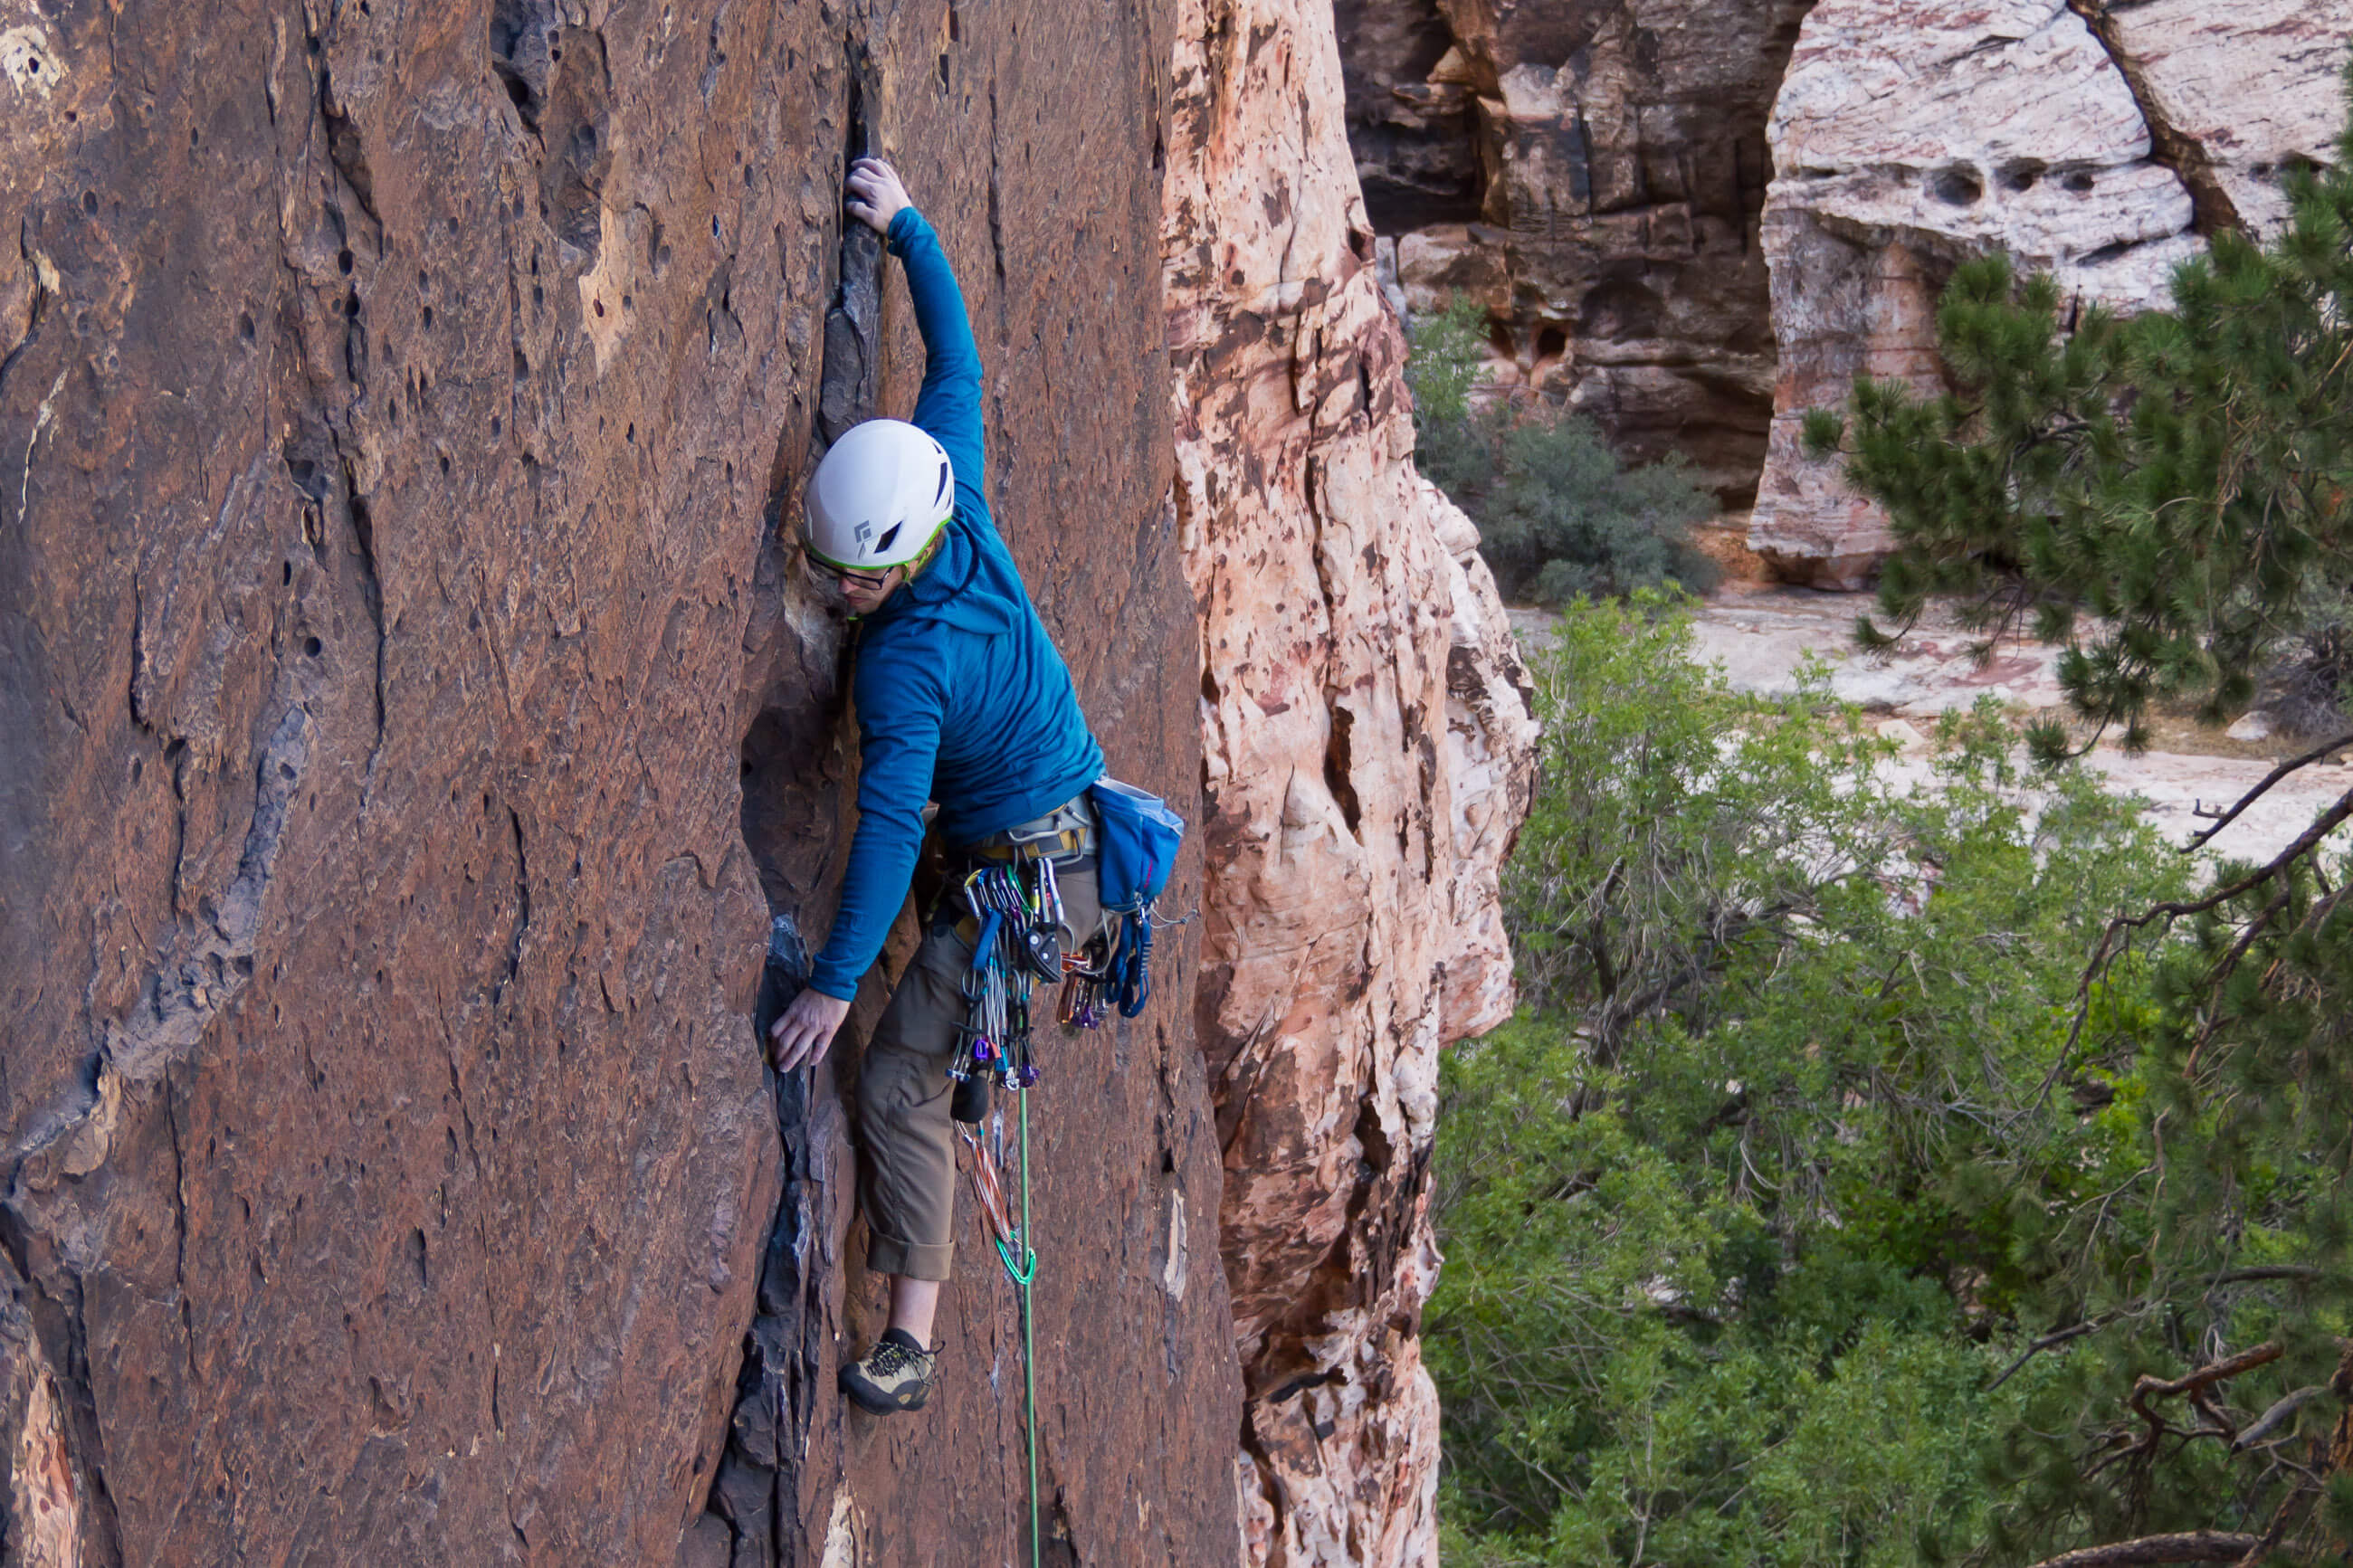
point(802, 1032)
point(876, 193)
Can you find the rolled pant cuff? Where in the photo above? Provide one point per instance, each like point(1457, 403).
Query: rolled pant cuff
point(889, 1255)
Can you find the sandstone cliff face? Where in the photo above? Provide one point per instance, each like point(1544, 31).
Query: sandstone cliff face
point(1367, 760)
point(394, 405)
point(1593, 175)
point(2098, 142)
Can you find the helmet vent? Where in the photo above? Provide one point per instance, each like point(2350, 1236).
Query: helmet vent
point(883, 544)
point(943, 489)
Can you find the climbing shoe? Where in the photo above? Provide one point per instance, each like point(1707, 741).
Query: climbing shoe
point(896, 1374)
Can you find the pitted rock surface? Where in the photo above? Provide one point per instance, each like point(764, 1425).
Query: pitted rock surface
point(1367, 761)
point(406, 705)
point(2097, 143)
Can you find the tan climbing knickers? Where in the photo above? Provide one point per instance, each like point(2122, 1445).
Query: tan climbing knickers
point(907, 1172)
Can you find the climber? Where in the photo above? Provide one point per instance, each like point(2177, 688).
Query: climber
point(961, 698)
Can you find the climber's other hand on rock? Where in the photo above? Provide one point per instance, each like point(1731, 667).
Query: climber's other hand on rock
point(805, 1028)
point(876, 196)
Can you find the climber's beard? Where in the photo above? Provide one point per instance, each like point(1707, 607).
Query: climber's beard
point(852, 593)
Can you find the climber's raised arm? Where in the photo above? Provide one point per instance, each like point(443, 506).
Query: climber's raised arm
point(947, 408)
point(961, 697)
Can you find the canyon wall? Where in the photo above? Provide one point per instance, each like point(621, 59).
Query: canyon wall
point(2098, 141)
point(1367, 760)
point(413, 721)
point(1593, 175)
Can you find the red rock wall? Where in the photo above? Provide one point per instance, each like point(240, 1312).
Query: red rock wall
point(1367, 756)
point(403, 718)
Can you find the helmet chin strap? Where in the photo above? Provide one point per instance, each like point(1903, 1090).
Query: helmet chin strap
point(923, 559)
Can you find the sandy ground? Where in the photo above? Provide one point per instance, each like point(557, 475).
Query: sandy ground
point(1760, 634)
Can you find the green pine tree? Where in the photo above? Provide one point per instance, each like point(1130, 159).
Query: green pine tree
point(2170, 498)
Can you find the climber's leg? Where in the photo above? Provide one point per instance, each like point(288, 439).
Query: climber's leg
point(912, 1303)
point(907, 1169)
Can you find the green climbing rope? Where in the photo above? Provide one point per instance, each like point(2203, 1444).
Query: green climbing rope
point(1029, 1329)
point(1012, 1240)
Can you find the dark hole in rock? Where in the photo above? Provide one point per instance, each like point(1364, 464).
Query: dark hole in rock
point(2023, 173)
point(342, 261)
point(2079, 181)
point(312, 647)
point(1958, 186)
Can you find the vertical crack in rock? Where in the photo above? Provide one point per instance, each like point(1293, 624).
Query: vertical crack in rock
point(522, 909)
point(2172, 148)
point(756, 1490)
point(849, 384)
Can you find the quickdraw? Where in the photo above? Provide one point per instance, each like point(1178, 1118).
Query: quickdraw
point(1114, 970)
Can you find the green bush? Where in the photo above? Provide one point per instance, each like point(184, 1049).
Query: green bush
point(1741, 1213)
point(1558, 514)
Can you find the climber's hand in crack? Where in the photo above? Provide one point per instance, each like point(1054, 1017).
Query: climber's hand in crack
point(876, 196)
point(805, 1028)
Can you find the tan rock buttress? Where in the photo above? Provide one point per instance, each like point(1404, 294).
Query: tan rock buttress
point(1366, 760)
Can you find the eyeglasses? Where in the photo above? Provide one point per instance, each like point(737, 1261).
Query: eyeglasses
point(848, 578)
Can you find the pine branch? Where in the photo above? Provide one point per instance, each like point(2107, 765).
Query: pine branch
point(2049, 1342)
point(2195, 1384)
point(2329, 822)
point(2188, 1546)
point(2270, 1420)
point(2274, 776)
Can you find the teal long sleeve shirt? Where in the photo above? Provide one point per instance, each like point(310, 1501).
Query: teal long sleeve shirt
point(962, 697)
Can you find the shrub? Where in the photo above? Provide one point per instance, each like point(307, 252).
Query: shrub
point(1741, 1211)
point(1558, 513)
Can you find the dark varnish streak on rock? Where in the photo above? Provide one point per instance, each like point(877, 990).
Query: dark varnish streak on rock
point(405, 710)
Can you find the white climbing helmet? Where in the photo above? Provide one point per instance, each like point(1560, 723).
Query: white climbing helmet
point(881, 496)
